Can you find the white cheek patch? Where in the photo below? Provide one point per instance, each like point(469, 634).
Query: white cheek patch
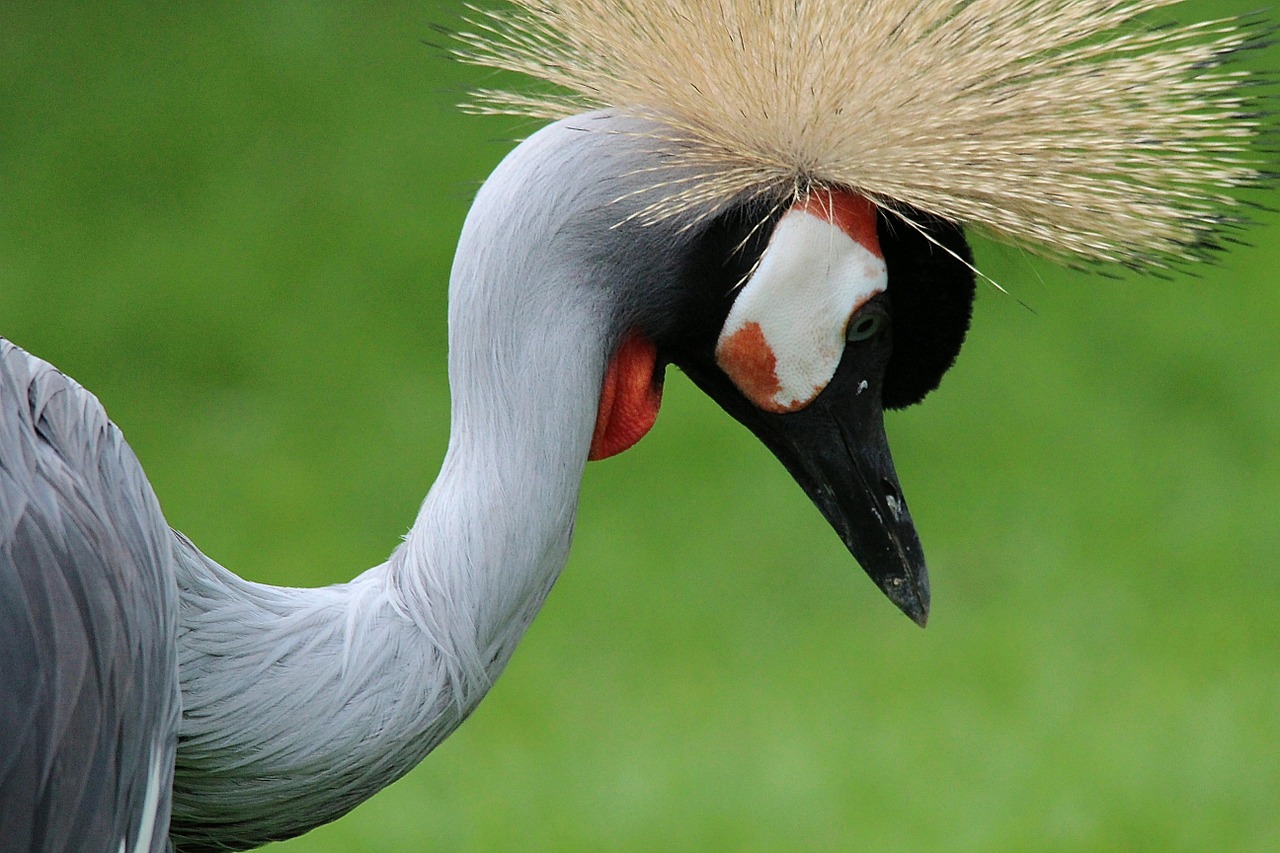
point(785, 334)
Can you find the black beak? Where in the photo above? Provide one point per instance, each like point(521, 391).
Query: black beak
point(836, 449)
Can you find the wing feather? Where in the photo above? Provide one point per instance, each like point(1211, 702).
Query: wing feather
point(88, 602)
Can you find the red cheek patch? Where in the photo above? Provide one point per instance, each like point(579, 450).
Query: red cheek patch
point(747, 357)
point(629, 398)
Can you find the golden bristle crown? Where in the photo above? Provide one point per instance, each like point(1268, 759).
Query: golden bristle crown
point(1074, 127)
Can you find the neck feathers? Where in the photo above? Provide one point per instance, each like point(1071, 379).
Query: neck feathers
point(300, 704)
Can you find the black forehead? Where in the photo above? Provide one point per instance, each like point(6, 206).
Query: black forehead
point(931, 291)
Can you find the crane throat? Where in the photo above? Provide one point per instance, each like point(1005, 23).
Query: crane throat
point(785, 334)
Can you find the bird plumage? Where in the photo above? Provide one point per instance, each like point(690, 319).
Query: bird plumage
point(88, 617)
point(1074, 127)
point(641, 219)
point(300, 704)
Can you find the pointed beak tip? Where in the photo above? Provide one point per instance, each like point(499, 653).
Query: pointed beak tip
point(912, 598)
point(917, 612)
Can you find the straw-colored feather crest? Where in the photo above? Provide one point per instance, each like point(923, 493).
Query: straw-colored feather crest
point(1070, 126)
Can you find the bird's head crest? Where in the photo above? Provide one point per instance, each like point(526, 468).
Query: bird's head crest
point(1078, 128)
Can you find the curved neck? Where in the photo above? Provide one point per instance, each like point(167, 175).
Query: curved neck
point(494, 531)
point(300, 704)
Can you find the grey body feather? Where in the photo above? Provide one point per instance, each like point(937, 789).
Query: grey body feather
point(88, 618)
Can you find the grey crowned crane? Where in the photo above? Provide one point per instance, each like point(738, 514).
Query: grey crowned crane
point(768, 195)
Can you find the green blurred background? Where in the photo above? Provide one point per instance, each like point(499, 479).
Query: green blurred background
point(233, 222)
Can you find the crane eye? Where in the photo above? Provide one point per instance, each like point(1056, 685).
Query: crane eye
point(866, 326)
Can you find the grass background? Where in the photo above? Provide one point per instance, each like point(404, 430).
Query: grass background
point(233, 222)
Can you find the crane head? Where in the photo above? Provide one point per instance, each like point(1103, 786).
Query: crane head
point(1093, 134)
point(804, 322)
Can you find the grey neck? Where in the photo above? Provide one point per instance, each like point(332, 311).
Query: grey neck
point(299, 704)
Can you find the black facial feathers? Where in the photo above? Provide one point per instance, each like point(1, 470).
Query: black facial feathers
point(931, 291)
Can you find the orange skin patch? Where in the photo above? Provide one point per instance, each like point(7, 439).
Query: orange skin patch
point(629, 398)
point(746, 356)
point(853, 214)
